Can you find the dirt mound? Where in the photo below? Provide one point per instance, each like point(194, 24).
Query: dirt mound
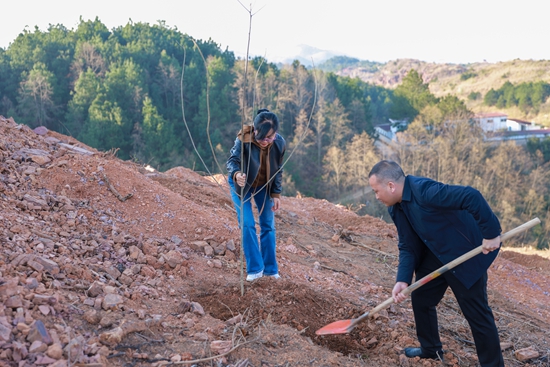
point(108, 263)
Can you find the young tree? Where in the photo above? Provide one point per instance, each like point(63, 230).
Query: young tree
point(339, 123)
point(334, 163)
point(361, 155)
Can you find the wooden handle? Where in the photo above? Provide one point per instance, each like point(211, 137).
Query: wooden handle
point(468, 255)
point(434, 274)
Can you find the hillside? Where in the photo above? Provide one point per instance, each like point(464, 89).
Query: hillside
point(446, 79)
point(105, 263)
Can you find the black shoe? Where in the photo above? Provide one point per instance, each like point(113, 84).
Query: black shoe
point(419, 352)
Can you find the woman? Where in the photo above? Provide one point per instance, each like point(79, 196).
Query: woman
point(258, 177)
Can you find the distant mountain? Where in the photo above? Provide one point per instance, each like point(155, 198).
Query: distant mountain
point(308, 56)
point(469, 82)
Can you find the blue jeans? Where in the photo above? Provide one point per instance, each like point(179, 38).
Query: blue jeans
point(258, 258)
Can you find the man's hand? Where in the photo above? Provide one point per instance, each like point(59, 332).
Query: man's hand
point(396, 292)
point(490, 245)
point(241, 179)
point(276, 204)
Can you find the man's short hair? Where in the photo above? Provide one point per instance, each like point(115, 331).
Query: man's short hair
point(387, 171)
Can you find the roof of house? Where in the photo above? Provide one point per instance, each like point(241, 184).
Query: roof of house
point(520, 121)
point(385, 127)
point(490, 114)
point(538, 132)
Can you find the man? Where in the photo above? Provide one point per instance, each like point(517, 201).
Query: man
point(437, 223)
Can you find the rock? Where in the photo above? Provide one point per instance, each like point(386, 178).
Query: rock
point(48, 265)
point(291, 248)
point(44, 309)
point(55, 351)
point(42, 360)
point(208, 250)
point(147, 271)
point(112, 271)
point(108, 289)
point(403, 361)
point(40, 159)
point(41, 130)
point(176, 240)
point(526, 354)
point(8, 287)
point(198, 245)
point(95, 289)
point(219, 249)
point(92, 316)
point(150, 248)
point(37, 347)
point(506, 345)
point(126, 280)
point(230, 245)
point(173, 258)
point(220, 346)
point(5, 332)
point(230, 256)
point(111, 301)
point(74, 348)
point(108, 320)
point(197, 308)
point(135, 252)
point(41, 299)
point(234, 320)
point(31, 283)
point(14, 302)
point(39, 332)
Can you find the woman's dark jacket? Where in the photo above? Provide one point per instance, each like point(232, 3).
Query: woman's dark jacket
point(251, 164)
point(446, 219)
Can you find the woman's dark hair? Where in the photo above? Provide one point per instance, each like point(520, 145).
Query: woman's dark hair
point(264, 122)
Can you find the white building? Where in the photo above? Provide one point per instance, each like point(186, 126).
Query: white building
point(496, 121)
point(492, 121)
point(514, 124)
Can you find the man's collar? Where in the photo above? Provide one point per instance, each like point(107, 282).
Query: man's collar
point(406, 190)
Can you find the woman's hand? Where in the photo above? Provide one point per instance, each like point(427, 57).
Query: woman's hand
point(241, 179)
point(276, 204)
point(396, 292)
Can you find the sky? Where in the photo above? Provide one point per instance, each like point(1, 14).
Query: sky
point(438, 31)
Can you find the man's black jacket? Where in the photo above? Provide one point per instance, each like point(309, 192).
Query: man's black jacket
point(447, 220)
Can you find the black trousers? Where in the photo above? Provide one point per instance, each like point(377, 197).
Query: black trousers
point(473, 303)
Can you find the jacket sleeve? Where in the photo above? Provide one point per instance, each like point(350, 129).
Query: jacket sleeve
point(277, 186)
point(234, 162)
point(410, 247)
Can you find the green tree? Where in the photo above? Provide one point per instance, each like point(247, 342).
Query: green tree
point(411, 96)
point(85, 92)
point(158, 144)
point(35, 101)
point(107, 127)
